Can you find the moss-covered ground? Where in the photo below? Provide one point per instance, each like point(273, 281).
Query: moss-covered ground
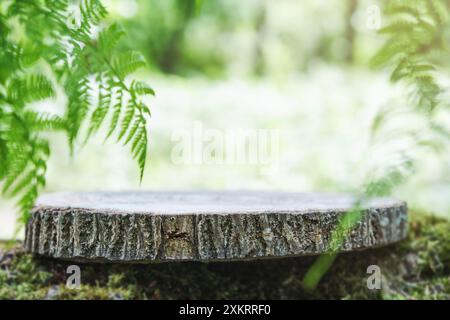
point(417, 268)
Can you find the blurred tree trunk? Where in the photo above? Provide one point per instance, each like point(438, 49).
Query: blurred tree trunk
point(171, 55)
point(351, 7)
point(259, 64)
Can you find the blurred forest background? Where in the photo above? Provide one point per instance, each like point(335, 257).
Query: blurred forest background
point(301, 67)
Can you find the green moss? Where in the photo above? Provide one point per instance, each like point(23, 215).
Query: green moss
point(418, 268)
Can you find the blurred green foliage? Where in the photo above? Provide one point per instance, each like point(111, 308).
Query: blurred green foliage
point(158, 29)
point(217, 38)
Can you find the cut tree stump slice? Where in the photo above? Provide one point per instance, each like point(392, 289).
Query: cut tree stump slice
point(206, 226)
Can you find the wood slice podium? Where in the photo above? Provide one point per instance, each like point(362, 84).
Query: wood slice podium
point(141, 227)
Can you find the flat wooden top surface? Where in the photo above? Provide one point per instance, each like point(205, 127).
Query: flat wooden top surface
point(207, 202)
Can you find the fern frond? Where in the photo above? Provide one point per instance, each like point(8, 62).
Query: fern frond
point(127, 63)
point(58, 6)
point(109, 38)
point(437, 10)
point(133, 130)
point(78, 107)
point(92, 11)
point(75, 57)
point(104, 101)
point(139, 147)
point(399, 25)
point(392, 49)
point(142, 88)
point(29, 88)
point(414, 33)
point(127, 119)
point(44, 121)
point(22, 182)
point(117, 108)
point(16, 166)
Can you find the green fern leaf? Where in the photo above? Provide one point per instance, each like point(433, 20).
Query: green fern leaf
point(127, 63)
point(109, 38)
point(71, 55)
point(127, 119)
point(399, 25)
point(142, 88)
point(104, 101)
point(116, 114)
point(29, 88)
